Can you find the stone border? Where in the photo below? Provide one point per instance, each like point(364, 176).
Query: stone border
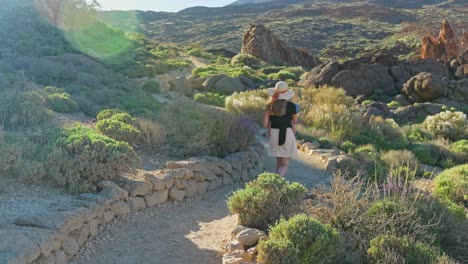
point(330, 158)
point(58, 237)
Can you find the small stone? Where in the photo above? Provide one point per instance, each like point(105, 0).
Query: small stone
point(108, 216)
point(136, 203)
point(112, 191)
point(176, 194)
point(212, 185)
point(158, 183)
point(227, 180)
point(120, 208)
point(234, 245)
point(155, 198)
point(245, 175)
point(84, 234)
point(192, 188)
point(249, 236)
point(202, 187)
point(236, 257)
point(60, 257)
point(70, 246)
point(93, 227)
point(181, 184)
point(138, 188)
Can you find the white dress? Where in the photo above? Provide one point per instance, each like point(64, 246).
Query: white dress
point(288, 149)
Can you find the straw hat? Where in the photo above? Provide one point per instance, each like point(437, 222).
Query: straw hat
point(282, 89)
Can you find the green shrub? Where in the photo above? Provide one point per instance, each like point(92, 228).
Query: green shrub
point(418, 135)
point(461, 147)
point(151, 87)
point(118, 130)
point(108, 113)
point(412, 252)
point(394, 104)
point(283, 75)
point(425, 154)
point(266, 200)
point(22, 110)
point(245, 60)
point(80, 158)
point(10, 154)
point(61, 103)
point(314, 241)
point(453, 184)
point(370, 160)
point(210, 99)
point(250, 103)
point(348, 146)
point(325, 143)
point(385, 134)
point(277, 252)
point(447, 124)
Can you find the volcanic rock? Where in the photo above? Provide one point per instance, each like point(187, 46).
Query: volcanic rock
point(261, 43)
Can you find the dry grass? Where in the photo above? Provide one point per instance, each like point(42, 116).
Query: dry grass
point(152, 133)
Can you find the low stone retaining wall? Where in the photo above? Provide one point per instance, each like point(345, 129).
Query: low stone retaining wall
point(330, 158)
point(53, 238)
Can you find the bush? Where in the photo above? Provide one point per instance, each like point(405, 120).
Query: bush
point(118, 130)
point(402, 164)
point(196, 130)
point(394, 104)
point(151, 133)
point(314, 242)
point(348, 146)
point(81, 158)
point(250, 103)
point(108, 113)
point(325, 143)
point(370, 160)
point(22, 110)
point(245, 60)
point(151, 87)
point(277, 252)
point(210, 99)
point(283, 75)
point(385, 134)
point(266, 200)
point(425, 153)
point(325, 95)
point(418, 135)
point(10, 154)
point(453, 184)
point(461, 147)
point(450, 125)
point(411, 252)
point(61, 103)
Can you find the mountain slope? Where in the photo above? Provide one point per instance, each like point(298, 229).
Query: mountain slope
point(246, 2)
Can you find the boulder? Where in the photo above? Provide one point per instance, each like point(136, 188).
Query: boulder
point(261, 43)
point(233, 245)
point(155, 198)
point(226, 84)
point(249, 236)
point(448, 45)
point(365, 79)
point(464, 42)
point(136, 203)
point(181, 86)
point(176, 194)
point(426, 87)
point(320, 75)
point(236, 257)
point(120, 208)
point(15, 247)
point(70, 246)
point(138, 188)
point(112, 191)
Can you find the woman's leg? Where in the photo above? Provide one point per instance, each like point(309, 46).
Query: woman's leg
point(282, 165)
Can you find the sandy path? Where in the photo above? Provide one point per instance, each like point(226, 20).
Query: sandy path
point(192, 232)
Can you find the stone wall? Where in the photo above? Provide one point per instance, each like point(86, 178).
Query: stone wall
point(330, 158)
point(56, 238)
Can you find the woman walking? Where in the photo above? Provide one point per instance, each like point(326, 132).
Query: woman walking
point(280, 119)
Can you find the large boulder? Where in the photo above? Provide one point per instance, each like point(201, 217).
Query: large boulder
point(464, 42)
point(261, 43)
point(228, 85)
point(426, 87)
point(364, 79)
point(448, 45)
point(321, 75)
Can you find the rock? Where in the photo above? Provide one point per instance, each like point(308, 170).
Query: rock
point(181, 86)
point(136, 203)
point(195, 83)
point(158, 183)
point(138, 188)
point(249, 237)
point(120, 208)
point(227, 180)
point(261, 43)
point(236, 257)
point(320, 75)
point(310, 146)
point(402, 99)
point(157, 197)
point(84, 234)
point(229, 85)
point(236, 162)
point(234, 245)
point(192, 188)
point(210, 82)
point(237, 230)
point(426, 87)
point(202, 187)
point(361, 98)
point(176, 194)
point(445, 47)
point(112, 191)
point(70, 246)
point(60, 257)
point(365, 79)
point(93, 227)
point(15, 247)
point(108, 216)
point(181, 184)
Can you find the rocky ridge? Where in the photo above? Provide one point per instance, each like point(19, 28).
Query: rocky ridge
point(261, 43)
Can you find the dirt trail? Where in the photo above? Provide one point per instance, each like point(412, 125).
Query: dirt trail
point(191, 232)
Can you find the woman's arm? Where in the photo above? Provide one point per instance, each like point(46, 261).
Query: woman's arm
point(294, 122)
point(266, 119)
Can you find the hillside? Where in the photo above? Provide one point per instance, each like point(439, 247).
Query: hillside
point(332, 30)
